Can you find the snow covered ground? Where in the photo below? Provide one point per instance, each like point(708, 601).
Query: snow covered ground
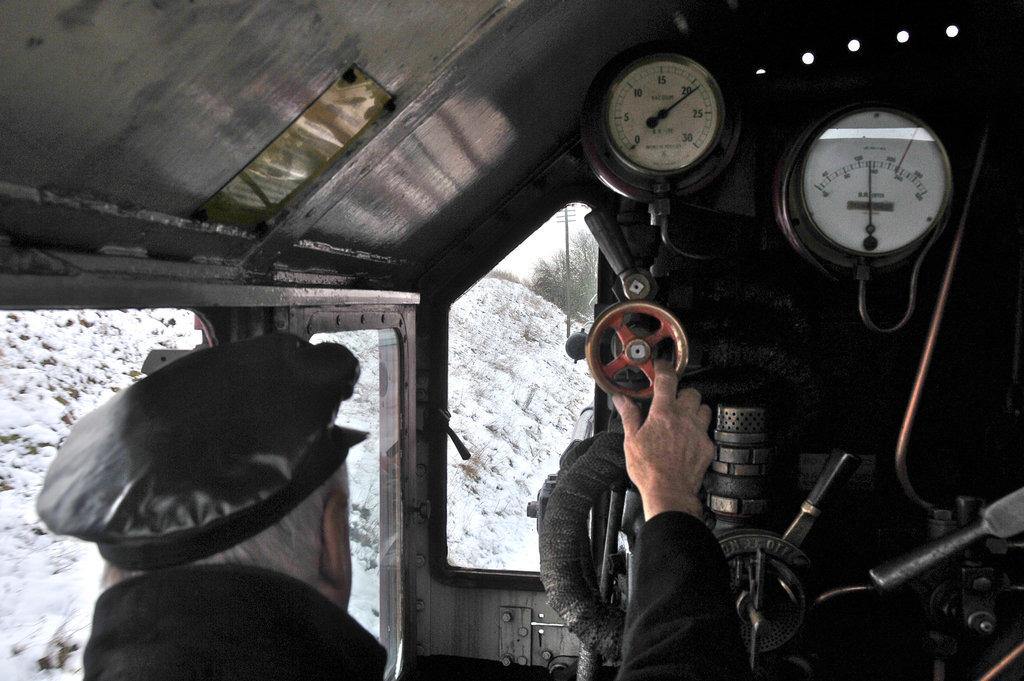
point(514, 396)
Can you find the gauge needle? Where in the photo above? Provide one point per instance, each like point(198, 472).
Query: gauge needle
point(871, 217)
point(652, 122)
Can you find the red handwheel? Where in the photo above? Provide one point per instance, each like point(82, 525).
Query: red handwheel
point(624, 342)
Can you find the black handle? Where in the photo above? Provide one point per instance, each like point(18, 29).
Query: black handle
point(611, 242)
point(899, 571)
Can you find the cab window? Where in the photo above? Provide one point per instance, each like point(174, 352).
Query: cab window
point(513, 393)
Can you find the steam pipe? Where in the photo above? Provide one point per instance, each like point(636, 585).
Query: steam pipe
point(933, 332)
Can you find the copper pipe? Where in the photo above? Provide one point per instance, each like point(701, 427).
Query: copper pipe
point(829, 595)
point(933, 333)
point(1001, 666)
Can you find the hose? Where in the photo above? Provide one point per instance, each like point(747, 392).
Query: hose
point(566, 569)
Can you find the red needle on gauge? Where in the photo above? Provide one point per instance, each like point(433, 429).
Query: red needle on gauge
point(652, 122)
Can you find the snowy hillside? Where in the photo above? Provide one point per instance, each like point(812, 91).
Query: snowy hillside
point(514, 396)
point(55, 367)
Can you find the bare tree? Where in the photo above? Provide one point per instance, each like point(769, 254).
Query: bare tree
point(549, 278)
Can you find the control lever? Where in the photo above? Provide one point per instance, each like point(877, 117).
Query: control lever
point(837, 471)
point(1003, 518)
point(456, 440)
point(637, 284)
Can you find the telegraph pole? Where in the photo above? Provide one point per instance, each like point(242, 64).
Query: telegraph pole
point(568, 321)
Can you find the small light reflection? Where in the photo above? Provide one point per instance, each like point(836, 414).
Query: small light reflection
point(760, 72)
point(853, 45)
point(808, 58)
point(903, 36)
point(952, 31)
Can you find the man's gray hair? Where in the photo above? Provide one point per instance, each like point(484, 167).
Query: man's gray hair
point(293, 546)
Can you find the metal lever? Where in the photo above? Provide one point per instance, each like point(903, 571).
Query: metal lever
point(837, 471)
point(1003, 518)
point(636, 284)
point(456, 440)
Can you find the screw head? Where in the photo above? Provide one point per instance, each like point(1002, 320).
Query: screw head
point(506, 660)
point(546, 655)
point(522, 660)
point(506, 616)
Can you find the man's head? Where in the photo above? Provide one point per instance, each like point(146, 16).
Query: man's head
point(227, 455)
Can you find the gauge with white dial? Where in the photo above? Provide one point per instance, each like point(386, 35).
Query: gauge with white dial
point(664, 113)
point(868, 185)
point(656, 123)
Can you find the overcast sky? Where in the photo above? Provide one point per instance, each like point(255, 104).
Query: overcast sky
point(547, 240)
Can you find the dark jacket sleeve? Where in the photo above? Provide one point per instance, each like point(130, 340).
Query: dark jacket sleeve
point(681, 623)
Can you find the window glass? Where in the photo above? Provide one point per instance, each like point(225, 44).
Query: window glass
point(372, 465)
point(56, 366)
point(513, 393)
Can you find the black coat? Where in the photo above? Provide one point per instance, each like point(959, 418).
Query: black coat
point(681, 623)
point(225, 622)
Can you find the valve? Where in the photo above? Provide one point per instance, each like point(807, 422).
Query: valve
point(624, 342)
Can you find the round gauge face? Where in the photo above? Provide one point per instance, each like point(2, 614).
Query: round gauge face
point(875, 181)
point(663, 113)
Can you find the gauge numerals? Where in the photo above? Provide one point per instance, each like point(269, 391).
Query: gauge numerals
point(868, 185)
point(656, 123)
point(664, 114)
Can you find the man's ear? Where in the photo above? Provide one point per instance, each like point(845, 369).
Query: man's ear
point(336, 560)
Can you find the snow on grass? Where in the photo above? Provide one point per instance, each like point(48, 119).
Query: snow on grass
point(514, 396)
point(56, 366)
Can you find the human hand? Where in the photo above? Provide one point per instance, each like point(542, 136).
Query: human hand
point(667, 454)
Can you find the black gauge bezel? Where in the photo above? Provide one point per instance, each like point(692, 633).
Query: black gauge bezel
point(807, 238)
point(636, 182)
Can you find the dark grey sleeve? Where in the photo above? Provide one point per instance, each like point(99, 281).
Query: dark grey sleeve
point(681, 623)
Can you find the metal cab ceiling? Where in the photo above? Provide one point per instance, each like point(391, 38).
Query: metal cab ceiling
point(120, 120)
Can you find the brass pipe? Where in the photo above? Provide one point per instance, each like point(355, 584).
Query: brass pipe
point(832, 593)
point(1001, 666)
point(933, 333)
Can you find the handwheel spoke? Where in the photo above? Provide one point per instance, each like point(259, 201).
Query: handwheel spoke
point(661, 334)
point(625, 334)
point(648, 369)
point(615, 366)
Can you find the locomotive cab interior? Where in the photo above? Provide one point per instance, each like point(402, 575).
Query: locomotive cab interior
point(815, 212)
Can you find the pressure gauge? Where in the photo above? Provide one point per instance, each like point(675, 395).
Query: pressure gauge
point(865, 187)
point(655, 123)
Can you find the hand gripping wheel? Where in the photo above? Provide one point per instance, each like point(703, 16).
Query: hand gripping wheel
point(624, 342)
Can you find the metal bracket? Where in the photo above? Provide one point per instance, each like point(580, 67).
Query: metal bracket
point(516, 639)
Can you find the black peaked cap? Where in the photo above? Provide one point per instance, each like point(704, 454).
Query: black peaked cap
point(204, 453)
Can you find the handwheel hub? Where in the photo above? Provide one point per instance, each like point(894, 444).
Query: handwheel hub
point(638, 351)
